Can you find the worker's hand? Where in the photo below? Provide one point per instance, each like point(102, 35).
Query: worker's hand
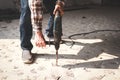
point(39, 39)
point(59, 7)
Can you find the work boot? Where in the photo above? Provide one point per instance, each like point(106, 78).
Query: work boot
point(49, 37)
point(27, 57)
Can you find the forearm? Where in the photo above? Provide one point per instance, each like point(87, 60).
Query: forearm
point(60, 2)
point(36, 14)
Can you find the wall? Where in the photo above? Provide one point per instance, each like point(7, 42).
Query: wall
point(10, 4)
point(82, 2)
point(111, 2)
point(6, 4)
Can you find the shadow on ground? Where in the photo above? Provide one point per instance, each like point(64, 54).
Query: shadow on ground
point(110, 45)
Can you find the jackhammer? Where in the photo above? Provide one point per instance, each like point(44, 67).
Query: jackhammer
point(57, 31)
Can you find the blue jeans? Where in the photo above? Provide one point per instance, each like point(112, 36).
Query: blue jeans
point(50, 5)
point(26, 26)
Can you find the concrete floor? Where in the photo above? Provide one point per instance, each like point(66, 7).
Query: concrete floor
point(93, 53)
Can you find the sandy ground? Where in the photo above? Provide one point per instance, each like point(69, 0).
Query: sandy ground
point(93, 53)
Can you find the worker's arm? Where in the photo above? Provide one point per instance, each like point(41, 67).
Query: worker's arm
point(39, 39)
point(59, 6)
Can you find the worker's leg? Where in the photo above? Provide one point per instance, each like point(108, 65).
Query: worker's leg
point(25, 26)
point(50, 5)
point(26, 32)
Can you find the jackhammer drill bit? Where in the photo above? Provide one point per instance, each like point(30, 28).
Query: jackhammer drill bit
point(57, 31)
